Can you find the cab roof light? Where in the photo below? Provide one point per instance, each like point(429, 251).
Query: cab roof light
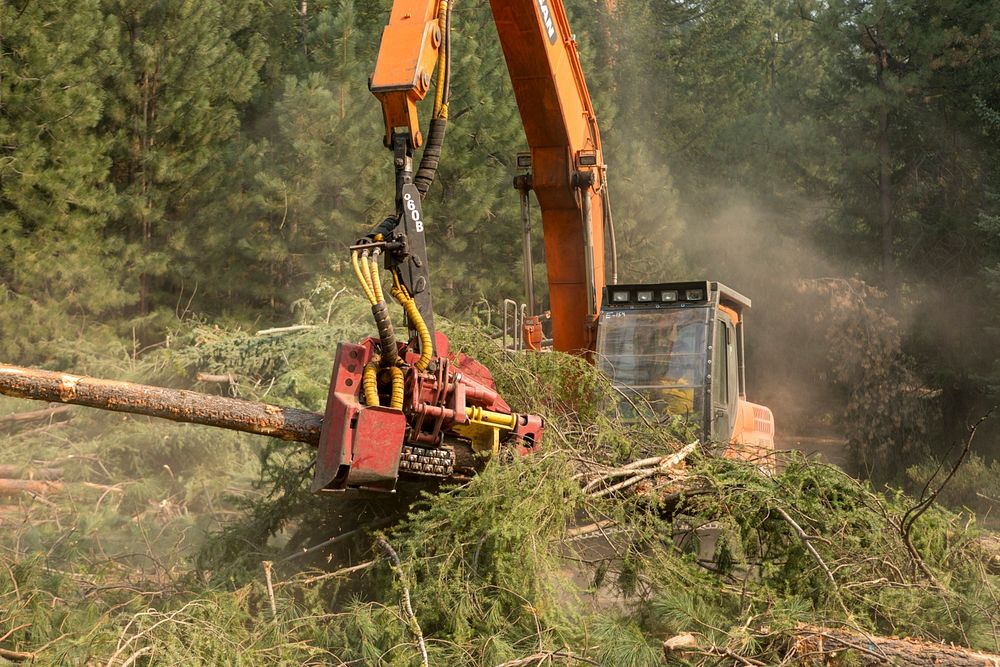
point(668, 296)
point(619, 296)
point(694, 295)
point(645, 296)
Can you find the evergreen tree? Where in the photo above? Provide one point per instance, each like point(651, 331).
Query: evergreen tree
point(187, 69)
point(56, 258)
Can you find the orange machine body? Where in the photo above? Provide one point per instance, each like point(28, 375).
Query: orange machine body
point(567, 174)
point(411, 42)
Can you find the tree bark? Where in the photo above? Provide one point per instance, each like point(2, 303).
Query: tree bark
point(820, 644)
point(173, 404)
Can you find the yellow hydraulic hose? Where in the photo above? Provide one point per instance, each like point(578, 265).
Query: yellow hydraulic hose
point(398, 388)
point(440, 109)
point(369, 383)
point(366, 275)
point(376, 284)
point(361, 278)
point(413, 313)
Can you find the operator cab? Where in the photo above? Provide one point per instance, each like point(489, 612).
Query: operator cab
point(676, 349)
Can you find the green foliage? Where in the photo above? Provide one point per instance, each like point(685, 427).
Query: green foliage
point(975, 486)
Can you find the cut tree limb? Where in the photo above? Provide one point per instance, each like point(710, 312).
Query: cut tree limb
point(16, 419)
point(814, 645)
point(209, 378)
point(14, 487)
point(16, 656)
point(820, 644)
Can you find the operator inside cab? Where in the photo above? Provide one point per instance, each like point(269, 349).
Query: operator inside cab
point(657, 358)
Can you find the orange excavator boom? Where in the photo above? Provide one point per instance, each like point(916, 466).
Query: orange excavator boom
point(568, 169)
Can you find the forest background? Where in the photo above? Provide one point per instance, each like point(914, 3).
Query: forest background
point(164, 163)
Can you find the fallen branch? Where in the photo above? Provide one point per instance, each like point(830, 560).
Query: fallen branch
point(547, 656)
point(18, 418)
point(342, 572)
point(16, 656)
point(14, 487)
point(24, 472)
point(927, 499)
point(283, 330)
point(337, 539)
point(818, 644)
point(637, 471)
point(681, 645)
point(407, 606)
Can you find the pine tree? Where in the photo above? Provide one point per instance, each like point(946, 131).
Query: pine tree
point(188, 68)
point(55, 257)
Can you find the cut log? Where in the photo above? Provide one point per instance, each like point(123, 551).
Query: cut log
point(821, 644)
point(25, 472)
point(813, 645)
point(18, 418)
point(174, 404)
point(15, 487)
point(209, 378)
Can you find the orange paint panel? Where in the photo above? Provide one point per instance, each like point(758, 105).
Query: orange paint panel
point(559, 122)
point(406, 62)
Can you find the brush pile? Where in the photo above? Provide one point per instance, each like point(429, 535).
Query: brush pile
point(622, 544)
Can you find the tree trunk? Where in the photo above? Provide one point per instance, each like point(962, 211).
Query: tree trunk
point(173, 404)
point(885, 173)
point(14, 487)
point(814, 645)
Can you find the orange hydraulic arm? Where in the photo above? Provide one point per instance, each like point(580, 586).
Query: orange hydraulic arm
point(568, 170)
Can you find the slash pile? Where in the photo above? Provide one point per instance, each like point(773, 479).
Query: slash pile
point(590, 552)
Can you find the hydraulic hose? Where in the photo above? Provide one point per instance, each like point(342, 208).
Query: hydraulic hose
point(369, 382)
point(368, 276)
point(361, 278)
point(431, 157)
point(398, 388)
point(417, 321)
point(609, 224)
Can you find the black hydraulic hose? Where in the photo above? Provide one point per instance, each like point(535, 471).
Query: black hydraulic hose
point(432, 155)
point(609, 224)
point(447, 61)
point(387, 337)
